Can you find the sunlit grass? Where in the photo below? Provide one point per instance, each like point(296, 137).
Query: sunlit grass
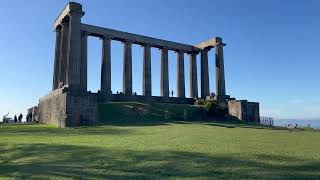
point(158, 150)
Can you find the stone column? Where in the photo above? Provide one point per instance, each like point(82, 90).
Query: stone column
point(164, 81)
point(220, 79)
point(193, 76)
point(56, 60)
point(84, 62)
point(63, 53)
point(180, 74)
point(127, 68)
point(146, 88)
point(106, 66)
point(74, 50)
point(204, 74)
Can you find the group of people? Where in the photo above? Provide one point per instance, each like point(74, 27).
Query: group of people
point(295, 126)
point(16, 119)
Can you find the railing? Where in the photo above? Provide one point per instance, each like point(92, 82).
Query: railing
point(268, 121)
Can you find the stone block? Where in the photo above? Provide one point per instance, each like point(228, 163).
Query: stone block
point(244, 110)
point(64, 109)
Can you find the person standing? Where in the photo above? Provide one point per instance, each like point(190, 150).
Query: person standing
point(15, 119)
point(20, 118)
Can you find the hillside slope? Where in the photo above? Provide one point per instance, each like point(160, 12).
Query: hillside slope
point(158, 150)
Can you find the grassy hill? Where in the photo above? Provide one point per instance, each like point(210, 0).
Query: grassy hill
point(115, 111)
point(158, 150)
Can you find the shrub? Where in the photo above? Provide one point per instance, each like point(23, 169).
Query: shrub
point(216, 108)
point(199, 102)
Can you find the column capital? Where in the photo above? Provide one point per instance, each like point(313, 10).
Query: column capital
point(106, 37)
point(84, 33)
point(76, 13)
point(146, 45)
point(64, 23)
point(164, 48)
point(180, 51)
point(205, 50)
point(128, 42)
point(58, 30)
point(193, 53)
point(219, 42)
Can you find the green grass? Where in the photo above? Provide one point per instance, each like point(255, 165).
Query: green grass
point(158, 150)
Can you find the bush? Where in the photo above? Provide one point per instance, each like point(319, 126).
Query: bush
point(199, 102)
point(216, 108)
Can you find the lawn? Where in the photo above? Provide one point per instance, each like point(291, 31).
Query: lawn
point(158, 150)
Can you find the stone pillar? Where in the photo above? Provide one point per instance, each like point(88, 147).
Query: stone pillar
point(74, 50)
point(164, 81)
point(63, 53)
point(106, 66)
point(220, 79)
point(127, 68)
point(146, 88)
point(193, 76)
point(56, 60)
point(84, 62)
point(204, 74)
point(180, 74)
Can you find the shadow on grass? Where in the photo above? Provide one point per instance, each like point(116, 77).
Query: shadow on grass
point(48, 161)
point(144, 122)
point(45, 130)
point(242, 125)
point(225, 124)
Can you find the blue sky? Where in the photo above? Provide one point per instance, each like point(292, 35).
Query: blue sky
point(272, 54)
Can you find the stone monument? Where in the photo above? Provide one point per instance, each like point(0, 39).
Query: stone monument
point(70, 104)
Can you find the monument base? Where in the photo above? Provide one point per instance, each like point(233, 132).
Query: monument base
point(244, 110)
point(65, 108)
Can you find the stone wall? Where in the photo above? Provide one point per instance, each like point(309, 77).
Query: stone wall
point(52, 108)
point(250, 111)
point(244, 110)
point(235, 109)
point(64, 109)
point(81, 109)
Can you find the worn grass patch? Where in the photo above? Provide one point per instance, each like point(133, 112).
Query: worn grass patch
point(158, 150)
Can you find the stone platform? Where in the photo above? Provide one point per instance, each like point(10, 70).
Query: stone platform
point(68, 109)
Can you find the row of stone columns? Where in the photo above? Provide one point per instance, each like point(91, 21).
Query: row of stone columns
point(147, 84)
point(71, 46)
point(164, 76)
point(60, 74)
